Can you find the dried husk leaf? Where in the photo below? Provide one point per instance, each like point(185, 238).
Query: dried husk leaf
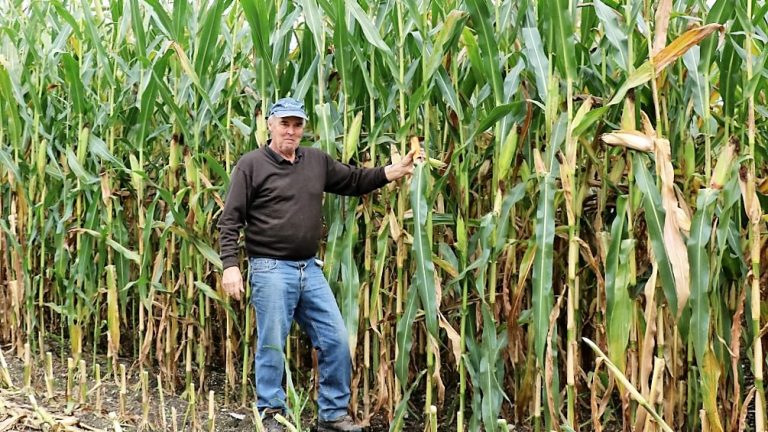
point(630, 139)
point(548, 362)
point(751, 203)
point(453, 336)
point(736, 357)
point(724, 164)
point(538, 162)
point(673, 239)
point(647, 125)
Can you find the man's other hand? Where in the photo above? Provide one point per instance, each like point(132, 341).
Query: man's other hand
point(405, 165)
point(232, 282)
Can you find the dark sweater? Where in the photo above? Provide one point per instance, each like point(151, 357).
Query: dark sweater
point(280, 203)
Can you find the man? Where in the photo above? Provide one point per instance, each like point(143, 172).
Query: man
point(276, 193)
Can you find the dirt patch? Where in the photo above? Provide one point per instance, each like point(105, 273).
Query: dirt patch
point(110, 407)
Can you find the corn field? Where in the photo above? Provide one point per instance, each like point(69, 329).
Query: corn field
point(584, 248)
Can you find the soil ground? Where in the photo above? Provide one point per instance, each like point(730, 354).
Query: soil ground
point(30, 408)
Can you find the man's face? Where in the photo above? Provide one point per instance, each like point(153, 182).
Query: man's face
point(286, 133)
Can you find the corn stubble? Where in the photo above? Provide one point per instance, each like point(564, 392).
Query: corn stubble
point(593, 172)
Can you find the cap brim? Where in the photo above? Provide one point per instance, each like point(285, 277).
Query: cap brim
point(299, 114)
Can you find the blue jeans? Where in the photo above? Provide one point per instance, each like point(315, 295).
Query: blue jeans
point(282, 291)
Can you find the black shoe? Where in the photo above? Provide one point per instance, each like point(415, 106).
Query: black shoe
point(343, 424)
point(271, 424)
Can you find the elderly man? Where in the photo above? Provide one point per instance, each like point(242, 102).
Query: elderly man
point(276, 193)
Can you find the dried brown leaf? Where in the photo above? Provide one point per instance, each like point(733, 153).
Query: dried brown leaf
point(745, 410)
point(437, 379)
point(394, 227)
point(453, 336)
point(735, 356)
point(682, 44)
point(662, 24)
point(596, 425)
point(647, 125)
point(548, 363)
point(673, 239)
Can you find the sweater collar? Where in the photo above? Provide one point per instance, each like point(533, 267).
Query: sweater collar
point(279, 159)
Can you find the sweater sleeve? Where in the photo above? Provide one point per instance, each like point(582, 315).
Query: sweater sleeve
point(345, 179)
point(233, 217)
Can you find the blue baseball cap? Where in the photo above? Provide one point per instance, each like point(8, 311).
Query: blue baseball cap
point(288, 107)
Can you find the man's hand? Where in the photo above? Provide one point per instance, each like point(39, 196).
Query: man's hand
point(232, 282)
point(405, 166)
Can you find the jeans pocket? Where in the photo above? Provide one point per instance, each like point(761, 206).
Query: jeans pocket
point(261, 265)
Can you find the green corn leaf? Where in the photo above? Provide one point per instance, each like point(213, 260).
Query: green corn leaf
point(343, 42)
point(495, 115)
point(148, 99)
point(314, 20)
point(491, 67)
point(396, 425)
point(325, 126)
point(721, 11)
point(615, 31)
point(654, 218)
point(207, 36)
point(640, 76)
point(730, 66)
point(256, 12)
point(446, 37)
point(379, 262)
point(424, 278)
point(208, 252)
point(6, 160)
point(352, 138)
point(161, 17)
point(122, 250)
point(80, 172)
point(515, 195)
point(537, 61)
point(491, 371)
point(507, 153)
point(98, 147)
point(698, 255)
point(618, 303)
point(187, 68)
point(563, 44)
point(449, 93)
point(95, 40)
point(404, 337)
point(589, 119)
point(350, 286)
point(180, 15)
point(543, 297)
point(334, 245)
point(137, 23)
point(76, 88)
point(370, 30)
point(208, 291)
point(697, 81)
point(10, 100)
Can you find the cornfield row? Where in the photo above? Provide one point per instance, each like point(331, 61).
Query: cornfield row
point(596, 173)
